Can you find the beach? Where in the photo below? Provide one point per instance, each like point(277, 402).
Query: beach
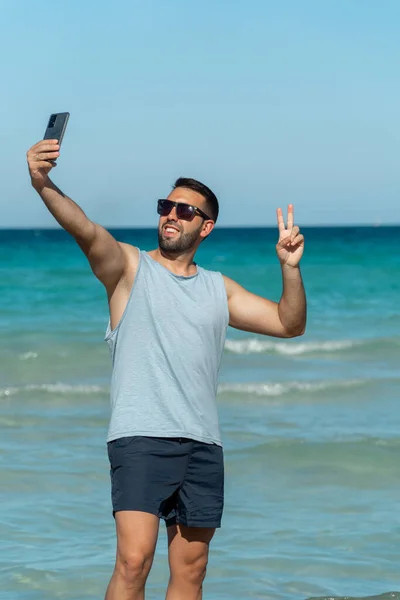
point(311, 426)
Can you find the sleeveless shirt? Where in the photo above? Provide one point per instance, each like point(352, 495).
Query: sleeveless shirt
point(166, 352)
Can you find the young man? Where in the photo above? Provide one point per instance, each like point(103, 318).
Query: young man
point(168, 320)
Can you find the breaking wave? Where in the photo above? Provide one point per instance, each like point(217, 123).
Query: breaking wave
point(53, 388)
point(256, 345)
point(280, 388)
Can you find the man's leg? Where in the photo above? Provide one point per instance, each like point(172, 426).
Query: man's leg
point(188, 557)
point(136, 543)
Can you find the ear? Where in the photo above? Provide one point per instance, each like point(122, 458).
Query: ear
point(208, 226)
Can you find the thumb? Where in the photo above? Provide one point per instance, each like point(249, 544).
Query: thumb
point(284, 241)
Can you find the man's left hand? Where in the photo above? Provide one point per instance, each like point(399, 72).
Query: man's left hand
point(290, 245)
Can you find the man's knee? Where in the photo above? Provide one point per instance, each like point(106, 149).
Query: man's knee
point(136, 544)
point(134, 567)
point(192, 570)
point(196, 570)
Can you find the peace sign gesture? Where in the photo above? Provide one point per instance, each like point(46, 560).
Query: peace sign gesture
point(290, 245)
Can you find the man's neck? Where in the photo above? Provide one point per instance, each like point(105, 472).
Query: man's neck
point(179, 264)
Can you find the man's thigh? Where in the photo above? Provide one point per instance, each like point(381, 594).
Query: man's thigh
point(188, 546)
point(137, 534)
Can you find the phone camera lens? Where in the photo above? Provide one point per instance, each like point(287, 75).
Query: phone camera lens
point(52, 120)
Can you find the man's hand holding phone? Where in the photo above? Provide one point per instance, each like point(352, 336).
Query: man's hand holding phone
point(41, 159)
point(43, 155)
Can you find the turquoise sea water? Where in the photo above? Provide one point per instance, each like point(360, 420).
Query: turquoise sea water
point(311, 426)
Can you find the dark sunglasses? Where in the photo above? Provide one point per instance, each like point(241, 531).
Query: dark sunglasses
point(186, 212)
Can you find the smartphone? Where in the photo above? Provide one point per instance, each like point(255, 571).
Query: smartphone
point(56, 127)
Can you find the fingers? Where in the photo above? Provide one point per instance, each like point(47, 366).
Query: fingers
point(290, 217)
point(299, 239)
point(43, 164)
point(282, 243)
point(294, 232)
point(281, 223)
point(292, 240)
point(44, 150)
point(45, 146)
point(43, 155)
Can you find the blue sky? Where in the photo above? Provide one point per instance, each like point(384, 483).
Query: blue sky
point(266, 102)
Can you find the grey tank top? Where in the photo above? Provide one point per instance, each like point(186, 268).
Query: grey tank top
point(166, 353)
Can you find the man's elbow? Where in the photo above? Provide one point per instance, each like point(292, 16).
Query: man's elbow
point(294, 332)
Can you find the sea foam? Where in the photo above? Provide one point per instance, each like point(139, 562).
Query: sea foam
point(259, 346)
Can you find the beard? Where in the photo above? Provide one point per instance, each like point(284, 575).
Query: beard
point(182, 243)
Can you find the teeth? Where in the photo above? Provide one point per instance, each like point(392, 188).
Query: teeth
point(170, 229)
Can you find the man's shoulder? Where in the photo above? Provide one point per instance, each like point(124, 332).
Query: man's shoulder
point(215, 275)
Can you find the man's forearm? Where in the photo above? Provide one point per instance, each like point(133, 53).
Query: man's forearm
point(292, 306)
point(66, 212)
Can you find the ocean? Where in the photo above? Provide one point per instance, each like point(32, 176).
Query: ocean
point(311, 425)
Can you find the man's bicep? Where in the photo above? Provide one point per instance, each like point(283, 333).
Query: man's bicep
point(252, 313)
point(106, 257)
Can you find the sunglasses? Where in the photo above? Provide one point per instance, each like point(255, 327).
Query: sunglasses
point(186, 212)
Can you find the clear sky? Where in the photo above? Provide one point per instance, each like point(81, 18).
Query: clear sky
point(267, 102)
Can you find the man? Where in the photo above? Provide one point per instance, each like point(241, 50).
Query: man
point(168, 320)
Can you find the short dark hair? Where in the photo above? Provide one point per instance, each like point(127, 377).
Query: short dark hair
point(200, 188)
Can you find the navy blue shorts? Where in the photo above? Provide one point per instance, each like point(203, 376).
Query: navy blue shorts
point(177, 479)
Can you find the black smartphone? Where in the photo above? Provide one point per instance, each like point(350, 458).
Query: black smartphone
point(56, 127)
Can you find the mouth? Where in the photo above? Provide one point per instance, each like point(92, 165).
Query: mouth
point(170, 230)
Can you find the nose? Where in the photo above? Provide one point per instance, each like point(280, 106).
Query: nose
point(172, 216)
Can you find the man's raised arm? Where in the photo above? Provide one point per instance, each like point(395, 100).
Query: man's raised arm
point(106, 256)
point(287, 318)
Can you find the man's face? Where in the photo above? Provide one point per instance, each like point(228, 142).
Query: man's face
point(176, 235)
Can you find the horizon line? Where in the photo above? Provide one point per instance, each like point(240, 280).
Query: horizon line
point(153, 227)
